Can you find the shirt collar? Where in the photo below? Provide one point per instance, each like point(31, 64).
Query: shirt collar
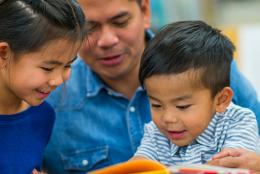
point(90, 81)
point(93, 83)
point(149, 34)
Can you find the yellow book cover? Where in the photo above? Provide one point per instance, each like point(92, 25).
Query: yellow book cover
point(152, 167)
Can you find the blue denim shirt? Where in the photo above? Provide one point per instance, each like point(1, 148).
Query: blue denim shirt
point(96, 126)
point(244, 94)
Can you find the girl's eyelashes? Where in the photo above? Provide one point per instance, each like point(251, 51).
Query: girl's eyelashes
point(48, 69)
point(68, 66)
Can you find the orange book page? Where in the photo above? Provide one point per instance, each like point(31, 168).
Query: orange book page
point(134, 167)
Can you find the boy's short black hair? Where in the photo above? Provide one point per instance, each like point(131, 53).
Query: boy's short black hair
point(189, 45)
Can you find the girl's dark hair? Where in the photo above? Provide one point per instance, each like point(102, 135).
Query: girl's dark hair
point(26, 25)
point(189, 45)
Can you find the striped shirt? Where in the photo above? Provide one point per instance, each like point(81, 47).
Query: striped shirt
point(235, 128)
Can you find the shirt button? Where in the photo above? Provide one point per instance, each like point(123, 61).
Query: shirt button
point(84, 162)
point(132, 109)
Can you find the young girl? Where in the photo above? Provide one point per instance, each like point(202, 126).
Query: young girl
point(38, 43)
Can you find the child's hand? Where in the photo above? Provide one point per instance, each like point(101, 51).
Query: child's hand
point(35, 171)
point(225, 158)
point(227, 152)
point(237, 158)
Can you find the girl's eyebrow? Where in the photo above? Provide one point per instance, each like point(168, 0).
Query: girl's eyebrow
point(55, 62)
point(72, 60)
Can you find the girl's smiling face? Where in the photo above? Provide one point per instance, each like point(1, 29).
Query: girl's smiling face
point(32, 76)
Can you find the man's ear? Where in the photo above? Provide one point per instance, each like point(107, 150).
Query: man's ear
point(223, 99)
point(5, 53)
point(145, 7)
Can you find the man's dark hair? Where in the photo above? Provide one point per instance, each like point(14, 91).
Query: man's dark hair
point(189, 45)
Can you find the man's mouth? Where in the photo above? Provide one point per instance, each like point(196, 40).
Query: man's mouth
point(111, 60)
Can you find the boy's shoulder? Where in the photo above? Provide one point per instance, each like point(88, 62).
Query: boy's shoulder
point(236, 113)
point(152, 130)
point(235, 109)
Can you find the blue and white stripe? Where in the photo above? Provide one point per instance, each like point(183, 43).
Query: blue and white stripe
point(235, 128)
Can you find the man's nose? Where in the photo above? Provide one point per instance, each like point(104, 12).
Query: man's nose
point(107, 37)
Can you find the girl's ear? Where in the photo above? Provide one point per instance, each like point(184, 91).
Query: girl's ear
point(223, 99)
point(5, 53)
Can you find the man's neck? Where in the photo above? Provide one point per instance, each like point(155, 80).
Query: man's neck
point(126, 85)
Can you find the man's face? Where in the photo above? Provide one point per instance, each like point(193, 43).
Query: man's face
point(115, 40)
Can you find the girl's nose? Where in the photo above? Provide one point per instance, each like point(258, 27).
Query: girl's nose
point(56, 81)
point(60, 77)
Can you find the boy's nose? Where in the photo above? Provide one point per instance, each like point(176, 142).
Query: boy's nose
point(170, 117)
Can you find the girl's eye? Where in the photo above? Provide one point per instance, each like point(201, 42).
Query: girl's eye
point(183, 107)
point(47, 69)
point(68, 66)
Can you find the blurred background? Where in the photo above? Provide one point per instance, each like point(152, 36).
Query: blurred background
point(238, 19)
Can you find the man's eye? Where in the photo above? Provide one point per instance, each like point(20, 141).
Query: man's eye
point(47, 69)
point(183, 106)
point(121, 23)
point(91, 27)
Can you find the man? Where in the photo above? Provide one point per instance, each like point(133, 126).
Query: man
point(102, 109)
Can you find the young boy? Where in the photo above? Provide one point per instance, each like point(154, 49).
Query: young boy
point(185, 70)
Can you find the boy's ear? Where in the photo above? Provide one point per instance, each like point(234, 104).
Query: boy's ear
point(5, 53)
point(223, 99)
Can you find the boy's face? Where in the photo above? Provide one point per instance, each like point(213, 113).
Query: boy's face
point(180, 110)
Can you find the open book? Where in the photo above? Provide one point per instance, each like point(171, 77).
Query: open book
point(152, 167)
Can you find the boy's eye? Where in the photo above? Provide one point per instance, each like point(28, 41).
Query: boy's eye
point(155, 105)
point(183, 106)
point(47, 69)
